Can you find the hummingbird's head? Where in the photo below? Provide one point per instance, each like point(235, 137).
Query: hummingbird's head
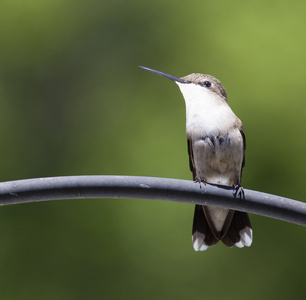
point(207, 82)
point(196, 83)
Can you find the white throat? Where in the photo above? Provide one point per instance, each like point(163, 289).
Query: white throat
point(206, 111)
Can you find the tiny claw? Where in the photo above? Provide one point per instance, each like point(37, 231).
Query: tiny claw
point(238, 191)
point(200, 180)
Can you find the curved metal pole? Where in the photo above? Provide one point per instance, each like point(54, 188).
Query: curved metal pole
point(81, 187)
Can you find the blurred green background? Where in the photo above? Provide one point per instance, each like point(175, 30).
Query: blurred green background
point(74, 102)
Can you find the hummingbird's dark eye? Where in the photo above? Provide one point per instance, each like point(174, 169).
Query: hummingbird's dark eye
point(207, 83)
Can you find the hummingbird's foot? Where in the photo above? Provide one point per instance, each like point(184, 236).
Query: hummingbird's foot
point(200, 180)
point(238, 191)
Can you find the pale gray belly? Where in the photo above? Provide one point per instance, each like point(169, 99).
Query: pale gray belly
point(218, 159)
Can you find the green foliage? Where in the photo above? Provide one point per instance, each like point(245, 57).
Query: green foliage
point(74, 102)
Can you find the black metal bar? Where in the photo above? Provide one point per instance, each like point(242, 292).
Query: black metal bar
point(81, 187)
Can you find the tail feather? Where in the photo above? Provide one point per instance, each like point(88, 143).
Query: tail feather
point(239, 232)
point(202, 237)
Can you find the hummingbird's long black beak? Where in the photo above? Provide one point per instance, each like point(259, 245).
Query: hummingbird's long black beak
point(173, 78)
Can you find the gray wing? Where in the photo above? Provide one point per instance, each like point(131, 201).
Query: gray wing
point(191, 160)
point(244, 148)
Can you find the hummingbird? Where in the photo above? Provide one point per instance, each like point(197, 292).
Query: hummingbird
point(216, 149)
